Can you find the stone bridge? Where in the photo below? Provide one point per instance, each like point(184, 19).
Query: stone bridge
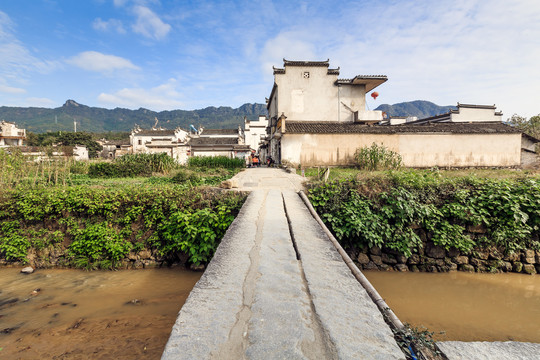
point(277, 288)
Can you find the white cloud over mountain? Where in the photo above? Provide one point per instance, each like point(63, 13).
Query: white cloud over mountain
point(102, 63)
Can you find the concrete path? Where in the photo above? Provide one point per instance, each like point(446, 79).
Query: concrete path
point(277, 289)
point(268, 178)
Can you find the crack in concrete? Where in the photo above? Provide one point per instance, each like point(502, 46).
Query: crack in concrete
point(321, 347)
point(237, 342)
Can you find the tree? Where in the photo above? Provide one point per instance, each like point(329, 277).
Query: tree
point(80, 138)
point(528, 126)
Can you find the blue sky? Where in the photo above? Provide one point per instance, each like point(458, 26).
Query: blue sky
point(168, 54)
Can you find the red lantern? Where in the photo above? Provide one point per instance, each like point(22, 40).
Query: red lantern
point(374, 95)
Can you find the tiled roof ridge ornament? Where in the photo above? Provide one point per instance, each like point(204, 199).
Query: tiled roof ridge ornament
point(305, 63)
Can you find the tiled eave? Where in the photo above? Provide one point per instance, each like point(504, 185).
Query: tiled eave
point(308, 127)
point(369, 81)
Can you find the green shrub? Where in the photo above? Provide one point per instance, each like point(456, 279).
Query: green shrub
point(98, 242)
point(196, 234)
point(377, 157)
point(103, 223)
point(159, 163)
point(386, 210)
point(13, 245)
point(118, 170)
point(185, 175)
point(216, 162)
point(133, 165)
point(79, 167)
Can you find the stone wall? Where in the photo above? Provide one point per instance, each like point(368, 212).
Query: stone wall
point(433, 258)
point(48, 258)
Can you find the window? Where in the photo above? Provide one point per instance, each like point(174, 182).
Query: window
point(306, 74)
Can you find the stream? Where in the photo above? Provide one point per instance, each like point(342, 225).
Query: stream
point(76, 314)
point(465, 306)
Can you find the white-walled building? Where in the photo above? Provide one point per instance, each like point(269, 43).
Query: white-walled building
point(219, 142)
point(11, 135)
point(465, 113)
point(255, 132)
point(317, 119)
point(171, 142)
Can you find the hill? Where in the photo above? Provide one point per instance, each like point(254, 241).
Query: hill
point(419, 108)
point(95, 119)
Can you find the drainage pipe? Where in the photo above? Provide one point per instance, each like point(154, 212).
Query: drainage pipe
point(373, 294)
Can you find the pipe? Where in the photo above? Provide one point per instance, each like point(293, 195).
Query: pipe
point(372, 292)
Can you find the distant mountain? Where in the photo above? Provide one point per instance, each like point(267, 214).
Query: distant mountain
point(95, 119)
point(418, 108)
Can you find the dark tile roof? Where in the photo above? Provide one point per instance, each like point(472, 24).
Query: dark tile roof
point(362, 77)
point(306, 63)
point(333, 71)
point(154, 133)
point(219, 132)
point(297, 127)
point(116, 142)
point(214, 141)
point(531, 138)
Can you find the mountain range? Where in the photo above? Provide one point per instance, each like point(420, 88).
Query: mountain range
point(419, 108)
point(95, 119)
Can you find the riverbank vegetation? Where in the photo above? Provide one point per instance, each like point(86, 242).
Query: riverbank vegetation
point(67, 213)
point(409, 213)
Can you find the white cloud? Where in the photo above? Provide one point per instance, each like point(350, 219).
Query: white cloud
point(470, 51)
point(11, 90)
point(292, 45)
point(39, 102)
point(17, 63)
point(149, 24)
point(109, 25)
point(98, 62)
point(161, 97)
point(119, 3)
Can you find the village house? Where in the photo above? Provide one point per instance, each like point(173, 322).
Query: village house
point(317, 119)
point(157, 140)
point(38, 154)
point(255, 132)
point(11, 135)
point(219, 142)
point(114, 148)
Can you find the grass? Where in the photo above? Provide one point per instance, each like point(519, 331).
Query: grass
point(17, 171)
point(339, 173)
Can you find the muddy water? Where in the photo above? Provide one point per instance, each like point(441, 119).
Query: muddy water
point(99, 315)
point(466, 307)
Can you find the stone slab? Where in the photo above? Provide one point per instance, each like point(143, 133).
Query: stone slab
point(483, 350)
point(351, 320)
point(210, 311)
point(280, 311)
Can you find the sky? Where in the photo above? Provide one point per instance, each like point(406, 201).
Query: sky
point(173, 54)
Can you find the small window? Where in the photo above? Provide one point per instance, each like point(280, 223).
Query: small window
point(140, 142)
point(306, 74)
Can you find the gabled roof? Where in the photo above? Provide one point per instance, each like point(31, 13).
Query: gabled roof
point(232, 132)
point(531, 138)
point(306, 63)
point(447, 116)
point(214, 141)
point(154, 133)
point(116, 142)
point(307, 127)
point(370, 81)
